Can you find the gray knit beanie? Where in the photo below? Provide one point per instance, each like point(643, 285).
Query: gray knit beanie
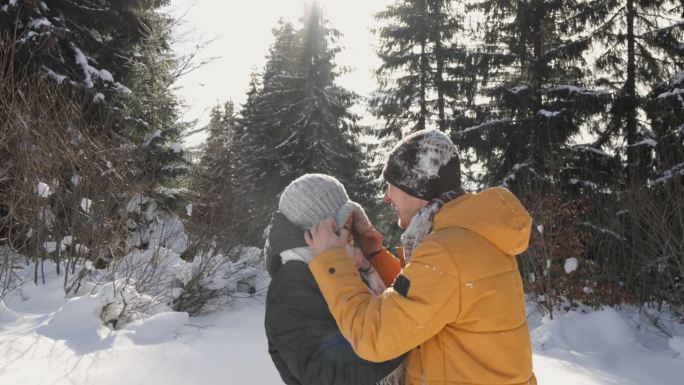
point(312, 198)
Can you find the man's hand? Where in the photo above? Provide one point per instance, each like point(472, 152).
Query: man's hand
point(359, 258)
point(322, 237)
point(370, 242)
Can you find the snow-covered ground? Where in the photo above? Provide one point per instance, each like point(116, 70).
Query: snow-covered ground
point(606, 347)
point(47, 339)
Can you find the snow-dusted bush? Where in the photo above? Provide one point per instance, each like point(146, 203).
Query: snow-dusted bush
point(215, 278)
point(91, 169)
point(559, 270)
point(71, 193)
point(606, 247)
point(655, 216)
point(62, 177)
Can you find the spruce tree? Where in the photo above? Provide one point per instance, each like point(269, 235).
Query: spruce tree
point(216, 159)
point(296, 121)
point(151, 115)
point(115, 55)
point(324, 132)
point(537, 91)
point(262, 122)
point(665, 111)
point(535, 97)
point(118, 54)
point(82, 43)
point(217, 201)
point(421, 75)
point(640, 42)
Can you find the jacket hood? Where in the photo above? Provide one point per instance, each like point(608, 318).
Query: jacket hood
point(495, 214)
point(282, 235)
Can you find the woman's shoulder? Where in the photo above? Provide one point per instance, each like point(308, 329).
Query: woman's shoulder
point(294, 294)
point(293, 276)
point(293, 271)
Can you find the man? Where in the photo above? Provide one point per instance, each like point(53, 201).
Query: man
point(457, 304)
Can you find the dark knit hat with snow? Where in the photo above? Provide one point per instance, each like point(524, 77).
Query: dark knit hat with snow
point(424, 164)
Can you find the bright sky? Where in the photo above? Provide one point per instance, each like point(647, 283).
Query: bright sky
point(242, 33)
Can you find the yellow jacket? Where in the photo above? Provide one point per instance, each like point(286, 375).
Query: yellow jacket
point(460, 308)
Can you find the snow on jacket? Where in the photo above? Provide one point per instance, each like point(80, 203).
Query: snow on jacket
point(304, 341)
point(457, 306)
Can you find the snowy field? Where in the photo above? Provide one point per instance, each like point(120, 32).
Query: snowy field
point(45, 339)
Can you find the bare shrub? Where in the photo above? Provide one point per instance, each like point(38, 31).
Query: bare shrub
point(657, 266)
point(218, 258)
point(73, 190)
point(64, 174)
point(562, 268)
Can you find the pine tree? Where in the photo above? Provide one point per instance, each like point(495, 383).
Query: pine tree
point(217, 202)
point(641, 46)
point(118, 54)
point(297, 120)
point(152, 113)
point(82, 43)
point(665, 111)
point(421, 75)
point(538, 91)
point(262, 122)
point(324, 132)
point(115, 55)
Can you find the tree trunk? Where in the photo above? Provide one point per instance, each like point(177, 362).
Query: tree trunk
point(631, 97)
point(423, 80)
point(541, 136)
point(422, 121)
point(439, 57)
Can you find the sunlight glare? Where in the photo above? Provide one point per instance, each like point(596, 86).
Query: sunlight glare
point(242, 33)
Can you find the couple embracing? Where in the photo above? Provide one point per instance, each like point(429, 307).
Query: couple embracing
point(447, 309)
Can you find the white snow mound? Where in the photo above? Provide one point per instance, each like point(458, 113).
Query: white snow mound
point(160, 327)
point(677, 344)
point(571, 265)
point(43, 190)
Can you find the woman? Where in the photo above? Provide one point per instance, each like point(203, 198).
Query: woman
point(303, 339)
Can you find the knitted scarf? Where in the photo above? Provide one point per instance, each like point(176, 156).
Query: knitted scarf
point(421, 223)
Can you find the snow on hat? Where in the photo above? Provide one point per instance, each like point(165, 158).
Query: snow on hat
point(312, 198)
point(424, 164)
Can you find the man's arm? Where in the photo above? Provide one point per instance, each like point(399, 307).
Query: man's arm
point(315, 352)
point(423, 299)
point(387, 266)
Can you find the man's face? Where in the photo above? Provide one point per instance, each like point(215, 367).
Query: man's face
point(405, 205)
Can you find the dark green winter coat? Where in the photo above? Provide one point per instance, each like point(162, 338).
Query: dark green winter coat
point(303, 339)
